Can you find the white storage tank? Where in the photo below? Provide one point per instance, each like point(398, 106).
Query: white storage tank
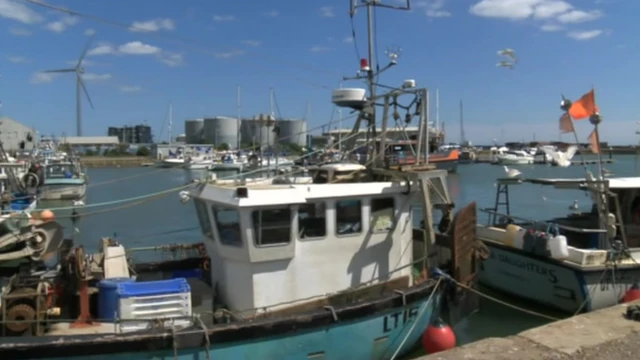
point(256, 129)
point(193, 131)
point(293, 131)
point(220, 130)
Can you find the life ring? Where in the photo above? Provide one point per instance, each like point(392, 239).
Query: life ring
point(30, 180)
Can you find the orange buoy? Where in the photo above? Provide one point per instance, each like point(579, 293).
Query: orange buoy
point(632, 294)
point(438, 337)
point(47, 215)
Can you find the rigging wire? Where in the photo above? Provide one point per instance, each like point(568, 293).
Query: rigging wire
point(375, 40)
point(186, 42)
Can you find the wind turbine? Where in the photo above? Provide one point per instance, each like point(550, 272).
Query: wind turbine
point(79, 71)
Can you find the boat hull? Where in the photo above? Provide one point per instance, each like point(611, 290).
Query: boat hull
point(354, 333)
point(507, 160)
point(63, 191)
point(448, 165)
point(553, 283)
point(172, 164)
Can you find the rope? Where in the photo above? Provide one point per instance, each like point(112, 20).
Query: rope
point(415, 323)
point(496, 300)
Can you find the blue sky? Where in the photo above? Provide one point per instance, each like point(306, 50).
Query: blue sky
point(195, 53)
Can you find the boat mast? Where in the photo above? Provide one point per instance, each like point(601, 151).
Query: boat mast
point(170, 122)
point(463, 138)
point(367, 65)
point(238, 135)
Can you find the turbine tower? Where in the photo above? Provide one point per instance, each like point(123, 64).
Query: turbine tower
point(79, 71)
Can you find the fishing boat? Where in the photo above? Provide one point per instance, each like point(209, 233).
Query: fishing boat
point(62, 180)
point(579, 262)
point(402, 153)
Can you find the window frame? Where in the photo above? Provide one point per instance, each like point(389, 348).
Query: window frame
point(393, 214)
point(335, 218)
point(199, 213)
point(214, 210)
point(257, 235)
point(326, 223)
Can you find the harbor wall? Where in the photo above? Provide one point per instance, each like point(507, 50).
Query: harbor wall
point(114, 161)
point(603, 334)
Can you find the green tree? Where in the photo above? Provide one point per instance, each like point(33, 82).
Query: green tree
point(223, 147)
point(143, 151)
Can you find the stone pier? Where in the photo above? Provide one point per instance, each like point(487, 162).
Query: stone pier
point(603, 334)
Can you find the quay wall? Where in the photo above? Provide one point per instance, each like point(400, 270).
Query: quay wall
point(604, 334)
point(114, 161)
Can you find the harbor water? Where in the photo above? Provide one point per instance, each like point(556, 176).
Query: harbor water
point(162, 220)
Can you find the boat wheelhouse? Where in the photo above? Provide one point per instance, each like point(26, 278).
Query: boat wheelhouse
point(579, 262)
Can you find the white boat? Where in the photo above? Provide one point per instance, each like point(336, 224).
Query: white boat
point(229, 162)
point(515, 157)
point(198, 162)
point(570, 263)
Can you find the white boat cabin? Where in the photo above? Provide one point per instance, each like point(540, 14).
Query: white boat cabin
point(272, 244)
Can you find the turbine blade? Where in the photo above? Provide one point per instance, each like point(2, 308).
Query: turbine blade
point(84, 52)
point(59, 71)
point(85, 90)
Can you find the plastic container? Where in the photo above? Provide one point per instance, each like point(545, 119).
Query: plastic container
point(558, 247)
point(108, 297)
point(155, 299)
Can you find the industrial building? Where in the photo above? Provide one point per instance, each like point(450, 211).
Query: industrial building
point(394, 133)
point(138, 134)
point(13, 133)
point(259, 130)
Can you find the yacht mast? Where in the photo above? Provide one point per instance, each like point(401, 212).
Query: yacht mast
point(239, 105)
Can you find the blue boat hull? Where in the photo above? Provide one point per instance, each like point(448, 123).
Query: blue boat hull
point(377, 336)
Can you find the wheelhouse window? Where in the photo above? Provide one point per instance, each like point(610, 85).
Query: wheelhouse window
point(203, 217)
point(382, 214)
point(348, 217)
point(228, 225)
point(312, 220)
point(272, 226)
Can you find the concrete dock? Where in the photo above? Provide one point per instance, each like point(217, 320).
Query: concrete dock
point(603, 334)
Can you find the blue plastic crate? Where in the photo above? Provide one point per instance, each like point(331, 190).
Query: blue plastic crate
point(151, 288)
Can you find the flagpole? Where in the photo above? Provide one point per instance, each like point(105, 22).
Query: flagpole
point(595, 119)
point(566, 105)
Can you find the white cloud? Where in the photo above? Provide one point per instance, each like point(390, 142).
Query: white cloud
point(578, 16)
point(41, 78)
point(272, 13)
point(317, 49)
point(102, 49)
point(228, 54)
point(153, 25)
point(96, 77)
point(62, 24)
point(433, 8)
point(171, 59)
point(138, 48)
point(348, 40)
point(130, 88)
point(253, 43)
point(89, 32)
point(18, 59)
point(585, 35)
point(19, 12)
point(223, 18)
point(327, 11)
point(552, 13)
point(19, 32)
point(551, 27)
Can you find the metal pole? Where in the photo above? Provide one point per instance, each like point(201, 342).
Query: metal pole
point(238, 135)
point(370, 76)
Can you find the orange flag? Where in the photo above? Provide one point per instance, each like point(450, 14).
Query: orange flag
point(584, 107)
point(566, 126)
point(593, 142)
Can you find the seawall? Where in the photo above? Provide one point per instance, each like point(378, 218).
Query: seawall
point(603, 334)
point(114, 161)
